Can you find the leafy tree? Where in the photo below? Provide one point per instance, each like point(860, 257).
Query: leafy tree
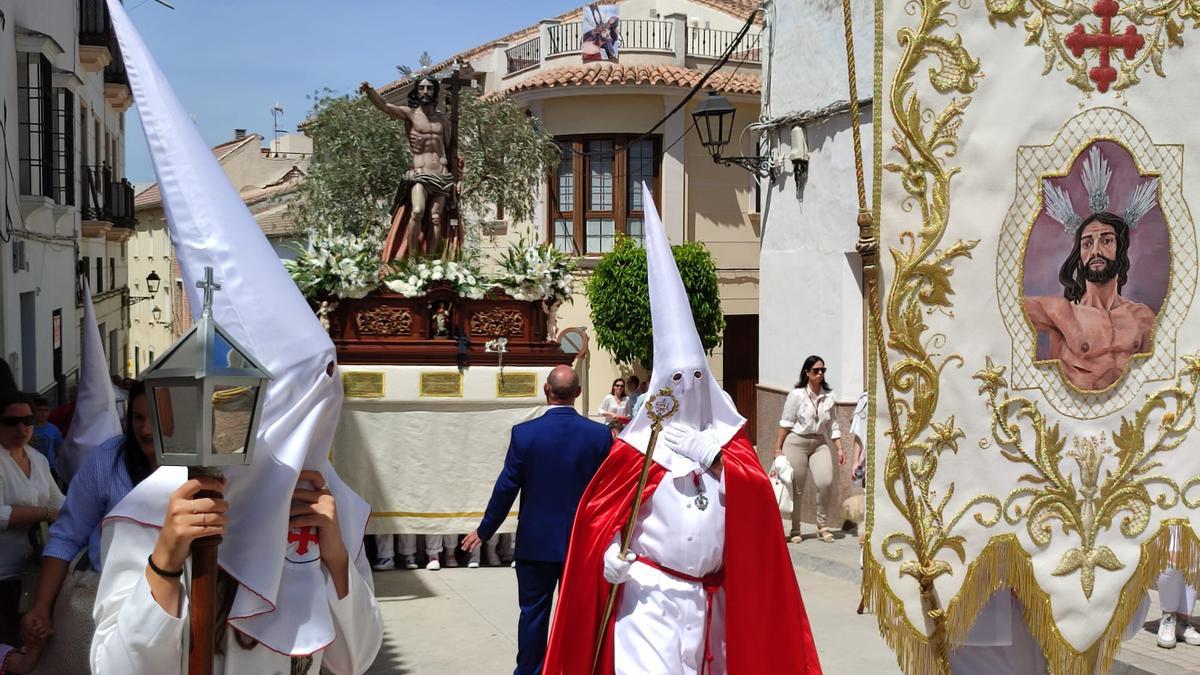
point(619, 296)
point(360, 155)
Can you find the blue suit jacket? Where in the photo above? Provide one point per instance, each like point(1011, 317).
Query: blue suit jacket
point(550, 461)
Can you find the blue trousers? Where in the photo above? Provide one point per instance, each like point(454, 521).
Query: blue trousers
point(536, 581)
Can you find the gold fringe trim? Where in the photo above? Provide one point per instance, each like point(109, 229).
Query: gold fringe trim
point(1004, 563)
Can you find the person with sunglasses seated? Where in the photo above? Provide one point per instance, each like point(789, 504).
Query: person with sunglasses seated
point(28, 497)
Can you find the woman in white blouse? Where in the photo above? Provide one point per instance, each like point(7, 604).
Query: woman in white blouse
point(28, 496)
point(613, 406)
point(806, 430)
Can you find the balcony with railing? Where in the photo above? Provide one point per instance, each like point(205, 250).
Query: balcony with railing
point(107, 199)
point(96, 35)
point(640, 35)
point(713, 43)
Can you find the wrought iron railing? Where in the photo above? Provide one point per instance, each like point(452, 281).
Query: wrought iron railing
point(565, 38)
point(713, 43)
point(524, 55)
point(107, 199)
point(647, 34)
point(94, 27)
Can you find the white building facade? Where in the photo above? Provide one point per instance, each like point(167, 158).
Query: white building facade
point(67, 211)
point(811, 292)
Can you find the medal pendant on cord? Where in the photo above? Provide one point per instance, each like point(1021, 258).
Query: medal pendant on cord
point(701, 500)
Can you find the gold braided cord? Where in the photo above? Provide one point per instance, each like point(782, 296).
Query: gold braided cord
point(936, 661)
point(1004, 562)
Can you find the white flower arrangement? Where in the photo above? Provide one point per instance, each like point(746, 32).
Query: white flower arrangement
point(532, 272)
point(339, 265)
point(412, 277)
point(346, 266)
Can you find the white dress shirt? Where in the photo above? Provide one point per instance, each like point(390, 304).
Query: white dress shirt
point(808, 415)
point(16, 489)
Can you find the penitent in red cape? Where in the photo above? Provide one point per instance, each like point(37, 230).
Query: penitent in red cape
point(766, 627)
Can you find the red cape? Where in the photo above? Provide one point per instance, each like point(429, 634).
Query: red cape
point(766, 627)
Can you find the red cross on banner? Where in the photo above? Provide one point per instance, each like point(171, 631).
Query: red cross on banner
point(1104, 41)
point(304, 537)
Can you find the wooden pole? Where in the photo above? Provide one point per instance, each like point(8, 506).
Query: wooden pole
point(203, 599)
point(657, 413)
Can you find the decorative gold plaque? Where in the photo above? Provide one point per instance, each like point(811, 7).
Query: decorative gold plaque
point(441, 385)
point(362, 384)
point(516, 385)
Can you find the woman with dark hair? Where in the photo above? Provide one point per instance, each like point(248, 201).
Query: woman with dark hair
point(107, 474)
point(806, 430)
point(28, 497)
point(613, 406)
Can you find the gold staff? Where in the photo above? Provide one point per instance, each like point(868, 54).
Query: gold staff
point(659, 407)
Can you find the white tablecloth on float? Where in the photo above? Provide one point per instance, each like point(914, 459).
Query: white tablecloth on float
point(429, 469)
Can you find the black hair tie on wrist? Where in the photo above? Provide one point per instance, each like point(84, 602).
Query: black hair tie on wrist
point(160, 571)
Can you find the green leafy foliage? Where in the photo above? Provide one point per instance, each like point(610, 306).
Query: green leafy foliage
point(619, 296)
point(360, 155)
point(505, 157)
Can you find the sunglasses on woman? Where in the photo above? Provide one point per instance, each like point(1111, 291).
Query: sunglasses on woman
point(14, 420)
point(820, 371)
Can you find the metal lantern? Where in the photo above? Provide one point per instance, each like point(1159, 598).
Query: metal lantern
point(206, 395)
point(153, 282)
point(714, 123)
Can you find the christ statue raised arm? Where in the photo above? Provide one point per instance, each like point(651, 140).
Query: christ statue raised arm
point(421, 199)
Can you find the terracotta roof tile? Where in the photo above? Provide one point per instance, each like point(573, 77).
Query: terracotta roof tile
point(607, 74)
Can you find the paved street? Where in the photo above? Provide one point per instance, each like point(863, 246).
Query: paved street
point(462, 620)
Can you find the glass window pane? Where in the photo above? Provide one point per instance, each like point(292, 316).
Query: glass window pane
point(600, 175)
point(566, 178)
point(637, 229)
point(233, 409)
point(643, 167)
point(564, 236)
point(600, 235)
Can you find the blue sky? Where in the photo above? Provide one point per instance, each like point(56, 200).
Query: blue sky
point(231, 60)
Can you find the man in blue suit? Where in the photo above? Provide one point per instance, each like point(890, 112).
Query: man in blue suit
point(550, 462)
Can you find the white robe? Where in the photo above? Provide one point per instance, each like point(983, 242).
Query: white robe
point(660, 621)
point(134, 635)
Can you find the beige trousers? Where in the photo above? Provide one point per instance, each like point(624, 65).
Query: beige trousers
point(808, 455)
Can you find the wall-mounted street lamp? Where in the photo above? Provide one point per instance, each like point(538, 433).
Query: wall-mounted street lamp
point(156, 314)
point(153, 283)
point(714, 124)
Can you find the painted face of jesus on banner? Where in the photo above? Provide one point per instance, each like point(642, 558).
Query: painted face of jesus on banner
point(1096, 267)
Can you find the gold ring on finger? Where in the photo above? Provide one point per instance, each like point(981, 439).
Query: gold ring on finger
point(193, 503)
point(203, 520)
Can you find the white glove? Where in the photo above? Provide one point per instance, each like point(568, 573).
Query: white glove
point(616, 569)
point(701, 447)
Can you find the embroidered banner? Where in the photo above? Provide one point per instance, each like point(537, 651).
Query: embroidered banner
point(1034, 415)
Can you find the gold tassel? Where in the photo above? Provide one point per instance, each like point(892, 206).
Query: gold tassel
point(1004, 563)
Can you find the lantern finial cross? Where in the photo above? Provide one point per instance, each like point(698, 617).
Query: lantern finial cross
point(209, 287)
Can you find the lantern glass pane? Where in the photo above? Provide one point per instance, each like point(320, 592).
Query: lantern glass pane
point(223, 353)
point(185, 356)
point(178, 410)
point(233, 411)
point(727, 126)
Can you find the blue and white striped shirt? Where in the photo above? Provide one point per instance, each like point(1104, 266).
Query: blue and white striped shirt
point(97, 487)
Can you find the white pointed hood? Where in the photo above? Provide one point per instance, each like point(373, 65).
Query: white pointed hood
point(680, 363)
point(96, 419)
point(261, 308)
